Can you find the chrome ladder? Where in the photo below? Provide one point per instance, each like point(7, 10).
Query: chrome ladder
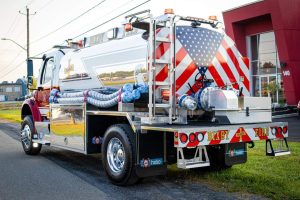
point(154, 64)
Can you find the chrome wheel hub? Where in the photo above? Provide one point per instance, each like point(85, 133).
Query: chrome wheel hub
point(115, 155)
point(26, 136)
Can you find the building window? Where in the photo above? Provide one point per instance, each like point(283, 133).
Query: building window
point(8, 89)
point(265, 67)
point(17, 89)
point(1, 90)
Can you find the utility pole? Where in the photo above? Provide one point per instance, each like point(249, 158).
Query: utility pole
point(27, 16)
point(29, 61)
point(27, 19)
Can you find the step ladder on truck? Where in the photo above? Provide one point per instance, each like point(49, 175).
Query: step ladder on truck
point(149, 94)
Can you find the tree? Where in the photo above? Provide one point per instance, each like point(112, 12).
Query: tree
point(272, 88)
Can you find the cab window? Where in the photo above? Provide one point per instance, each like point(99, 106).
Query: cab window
point(47, 71)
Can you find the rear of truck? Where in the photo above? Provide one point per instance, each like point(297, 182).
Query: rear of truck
point(161, 90)
point(202, 83)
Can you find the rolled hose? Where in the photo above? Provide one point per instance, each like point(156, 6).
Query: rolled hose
point(102, 104)
point(105, 99)
point(90, 100)
point(90, 93)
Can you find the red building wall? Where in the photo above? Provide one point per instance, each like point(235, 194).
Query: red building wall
point(281, 16)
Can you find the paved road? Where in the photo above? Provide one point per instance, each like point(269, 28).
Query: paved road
point(60, 174)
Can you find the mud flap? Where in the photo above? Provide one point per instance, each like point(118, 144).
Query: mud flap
point(151, 150)
point(235, 153)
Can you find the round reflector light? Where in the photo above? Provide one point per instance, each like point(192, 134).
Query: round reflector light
point(200, 137)
point(273, 131)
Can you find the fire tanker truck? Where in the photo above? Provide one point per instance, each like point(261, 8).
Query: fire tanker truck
point(156, 91)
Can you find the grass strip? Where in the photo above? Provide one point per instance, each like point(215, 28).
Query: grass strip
point(11, 115)
point(272, 177)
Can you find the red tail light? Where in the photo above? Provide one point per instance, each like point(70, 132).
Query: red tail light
point(285, 129)
point(176, 134)
point(183, 137)
point(192, 137)
point(279, 130)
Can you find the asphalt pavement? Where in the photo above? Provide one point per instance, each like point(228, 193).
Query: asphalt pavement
point(61, 174)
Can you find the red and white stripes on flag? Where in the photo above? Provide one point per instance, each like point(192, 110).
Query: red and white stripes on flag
point(227, 66)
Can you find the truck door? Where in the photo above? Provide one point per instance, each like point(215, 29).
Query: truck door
point(44, 85)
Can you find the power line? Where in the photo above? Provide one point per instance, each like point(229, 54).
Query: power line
point(31, 2)
point(97, 26)
point(44, 6)
point(107, 13)
point(42, 52)
point(46, 35)
point(13, 25)
point(111, 19)
point(12, 61)
point(13, 69)
point(81, 33)
point(19, 65)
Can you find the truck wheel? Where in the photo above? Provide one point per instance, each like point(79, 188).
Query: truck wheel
point(118, 155)
point(27, 131)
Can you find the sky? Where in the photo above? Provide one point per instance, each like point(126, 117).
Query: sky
point(49, 18)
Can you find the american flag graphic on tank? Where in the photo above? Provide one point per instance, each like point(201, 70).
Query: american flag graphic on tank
point(200, 43)
point(201, 47)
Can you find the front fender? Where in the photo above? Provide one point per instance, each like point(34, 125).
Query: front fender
point(29, 107)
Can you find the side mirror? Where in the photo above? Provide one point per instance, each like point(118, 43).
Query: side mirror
point(31, 83)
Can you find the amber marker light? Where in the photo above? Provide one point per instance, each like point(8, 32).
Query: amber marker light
point(169, 11)
point(213, 18)
point(128, 27)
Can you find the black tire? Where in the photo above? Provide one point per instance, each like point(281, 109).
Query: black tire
point(28, 144)
point(124, 134)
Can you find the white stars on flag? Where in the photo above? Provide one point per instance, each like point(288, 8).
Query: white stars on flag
point(200, 43)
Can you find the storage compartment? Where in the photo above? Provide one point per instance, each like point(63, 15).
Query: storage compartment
point(230, 109)
point(68, 127)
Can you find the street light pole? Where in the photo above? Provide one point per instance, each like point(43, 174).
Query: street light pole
point(14, 43)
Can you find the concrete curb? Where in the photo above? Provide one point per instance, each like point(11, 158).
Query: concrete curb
point(285, 115)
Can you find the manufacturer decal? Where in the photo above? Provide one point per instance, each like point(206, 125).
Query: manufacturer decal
point(235, 152)
point(97, 140)
point(147, 162)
